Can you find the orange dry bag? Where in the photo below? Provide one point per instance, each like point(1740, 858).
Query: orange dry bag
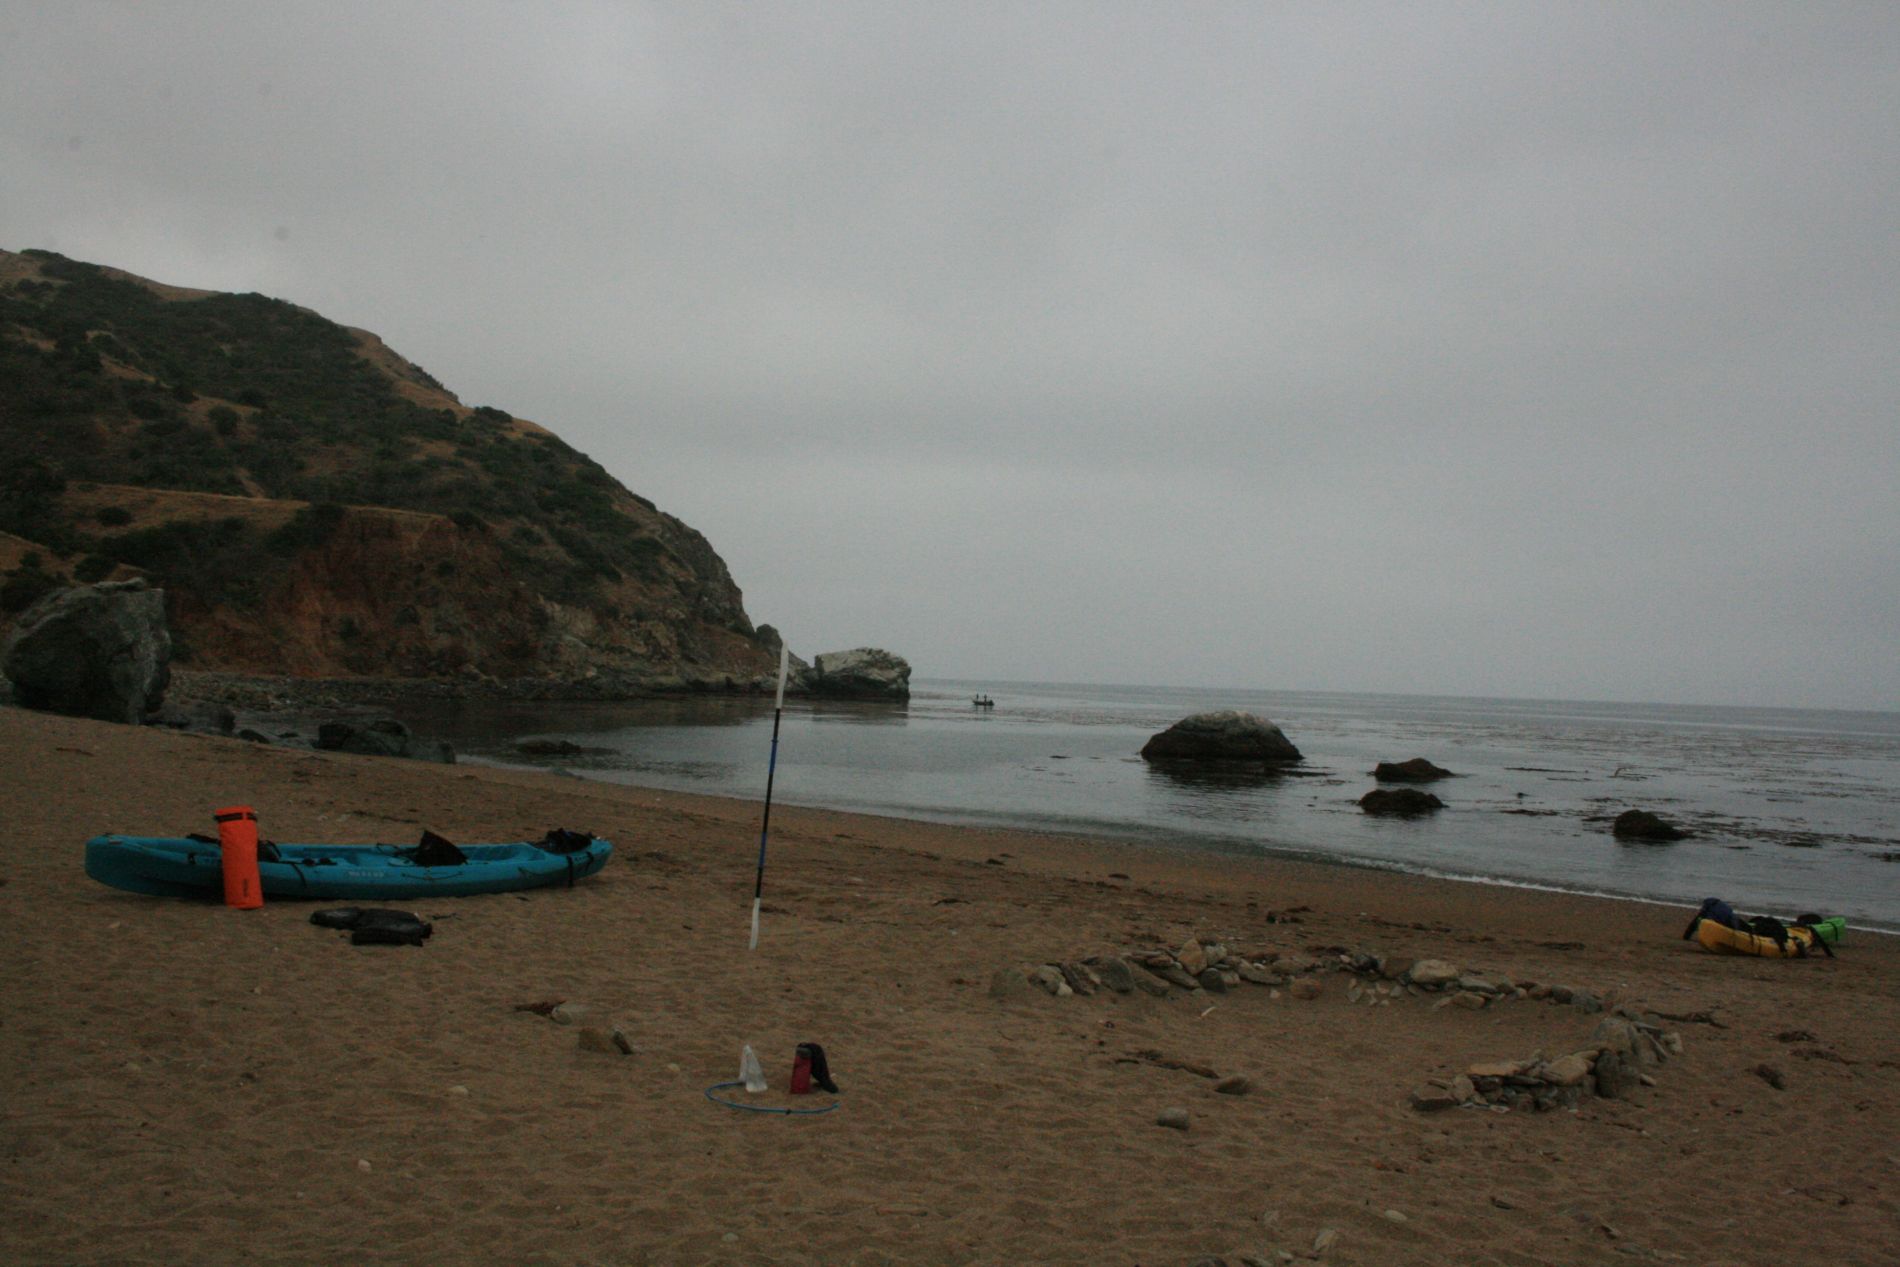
point(237, 841)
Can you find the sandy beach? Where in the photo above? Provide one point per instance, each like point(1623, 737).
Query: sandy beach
point(189, 1084)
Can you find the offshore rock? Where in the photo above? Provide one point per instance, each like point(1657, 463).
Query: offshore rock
point(1226, 736)
point(1417, 770)
point(1640, 824)
point(1401, 802)
point(382, 737)
point(99, 651)
point(1406, 802)
point(864, 673)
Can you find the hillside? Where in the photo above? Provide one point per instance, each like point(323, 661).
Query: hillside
point(316, 505)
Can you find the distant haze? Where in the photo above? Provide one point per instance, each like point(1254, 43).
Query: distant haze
point(1543, 350)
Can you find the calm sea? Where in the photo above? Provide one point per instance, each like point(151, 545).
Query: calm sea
point(1792, 810)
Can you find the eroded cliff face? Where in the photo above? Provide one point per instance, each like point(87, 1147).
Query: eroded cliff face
point(315, 504)
point(412, 595)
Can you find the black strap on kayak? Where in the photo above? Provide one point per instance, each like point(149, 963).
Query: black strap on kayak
point(570, 871)
point(1815, 939)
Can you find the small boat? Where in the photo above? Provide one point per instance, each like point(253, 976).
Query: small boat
point(173, 866)
point(982, 701)
point(1801, 940)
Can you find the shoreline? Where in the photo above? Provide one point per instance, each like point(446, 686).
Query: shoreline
point(272, 704)
point(155, 1048)
point(1187, 847)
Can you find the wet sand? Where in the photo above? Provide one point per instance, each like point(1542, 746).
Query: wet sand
point(188, 1084)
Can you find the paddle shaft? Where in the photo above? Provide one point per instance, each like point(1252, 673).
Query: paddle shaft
point(771, 772)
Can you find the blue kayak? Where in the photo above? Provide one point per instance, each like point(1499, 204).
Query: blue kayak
point(171, 866)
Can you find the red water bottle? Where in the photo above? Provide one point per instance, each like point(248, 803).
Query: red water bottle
point(801, 1070)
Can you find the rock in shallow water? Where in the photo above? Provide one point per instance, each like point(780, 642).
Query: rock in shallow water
point(863, 673)
point(1404, 802)
point(1417, 770)
point(381, 737)
point(1640, 824)
point(1227, 736)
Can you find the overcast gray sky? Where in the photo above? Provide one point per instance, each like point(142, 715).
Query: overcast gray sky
point(1545, 350)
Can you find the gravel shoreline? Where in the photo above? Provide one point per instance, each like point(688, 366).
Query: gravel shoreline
point(277, 693)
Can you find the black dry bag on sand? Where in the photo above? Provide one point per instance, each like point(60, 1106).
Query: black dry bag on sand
point(561, 840)
point(376, 926)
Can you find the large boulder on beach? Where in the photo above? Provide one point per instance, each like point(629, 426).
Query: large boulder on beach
point(863, 673)
point(99, 651)
point(1403, 802)
point(1417, 770)
point(1225, 737)
point(1640, 824)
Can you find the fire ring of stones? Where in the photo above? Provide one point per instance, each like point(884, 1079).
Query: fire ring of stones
point(1625, 1044)
point(1612, 1067)
point(1200, 967)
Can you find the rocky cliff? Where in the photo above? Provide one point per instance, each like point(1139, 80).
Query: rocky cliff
point(314, 504)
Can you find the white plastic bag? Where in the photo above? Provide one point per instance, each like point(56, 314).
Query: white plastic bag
point(749, 1071)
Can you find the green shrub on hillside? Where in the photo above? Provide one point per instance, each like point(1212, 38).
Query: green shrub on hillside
point(308, 529)
point(92, 568)
point(216, 560)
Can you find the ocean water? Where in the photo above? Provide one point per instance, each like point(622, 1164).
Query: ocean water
point(1792, 810)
